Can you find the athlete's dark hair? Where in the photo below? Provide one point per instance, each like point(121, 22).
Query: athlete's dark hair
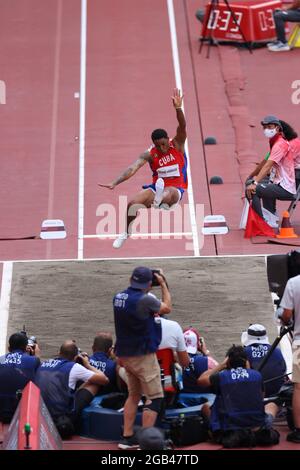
point(159, 134)
point(288, 132)
point(237, 356)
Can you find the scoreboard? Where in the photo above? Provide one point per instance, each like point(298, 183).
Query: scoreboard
point(254, 18)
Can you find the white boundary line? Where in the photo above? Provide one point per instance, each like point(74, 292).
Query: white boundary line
point(82, 127)
point(142, 235)
point(63, 260)
point(176, 64)
point(4, 303)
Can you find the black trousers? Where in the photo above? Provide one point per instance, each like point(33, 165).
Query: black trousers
point(269, 193)
point(281, 17)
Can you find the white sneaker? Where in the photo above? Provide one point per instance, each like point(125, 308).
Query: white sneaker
point(159, 190)
point(119, 242)
point(279, 47)
point(271, 219)
point(165, 206)
point(272, 224)
point(272, 43)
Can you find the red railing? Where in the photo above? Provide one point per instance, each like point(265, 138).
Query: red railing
point(32, 427)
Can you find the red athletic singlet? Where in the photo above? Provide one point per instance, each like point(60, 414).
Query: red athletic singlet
point(171, 167)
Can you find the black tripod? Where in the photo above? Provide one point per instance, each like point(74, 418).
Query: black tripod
point(211, 16)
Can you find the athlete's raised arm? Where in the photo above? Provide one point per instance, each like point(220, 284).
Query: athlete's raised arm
point(130, 171)
point(180, 137)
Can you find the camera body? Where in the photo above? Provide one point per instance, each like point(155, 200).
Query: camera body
point(31, 341)
point(155, 282)
point(80, 357)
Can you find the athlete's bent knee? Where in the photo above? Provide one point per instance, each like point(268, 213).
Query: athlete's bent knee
point(155, 405)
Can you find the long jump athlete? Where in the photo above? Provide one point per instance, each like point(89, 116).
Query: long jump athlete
point(168, 164)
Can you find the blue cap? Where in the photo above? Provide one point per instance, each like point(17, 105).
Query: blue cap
point(271, 120)
point(141, 278)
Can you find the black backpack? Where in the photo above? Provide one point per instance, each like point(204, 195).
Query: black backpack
point(188, 430)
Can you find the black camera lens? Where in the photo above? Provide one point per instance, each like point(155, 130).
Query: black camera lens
point(154, 278)
point(155, 282)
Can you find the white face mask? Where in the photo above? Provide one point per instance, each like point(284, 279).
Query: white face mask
point(269, 133)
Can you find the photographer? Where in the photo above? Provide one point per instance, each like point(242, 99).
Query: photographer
point(58, 380)
point(290, 302)
point(138, 334)
point(257, 346)
point(17, 368)
point(237, 417)
point(200, 361)
point(103, 359)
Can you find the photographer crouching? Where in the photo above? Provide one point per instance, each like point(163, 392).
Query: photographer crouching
point(138, 334)
point(58, 380)
point(17, 368)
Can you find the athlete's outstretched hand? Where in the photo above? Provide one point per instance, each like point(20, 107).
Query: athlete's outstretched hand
point(109, 185)
point(177, 98)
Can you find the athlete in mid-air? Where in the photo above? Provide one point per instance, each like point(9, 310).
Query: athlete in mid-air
point(168, 164)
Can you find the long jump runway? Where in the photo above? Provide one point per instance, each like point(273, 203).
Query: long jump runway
point(83, 95)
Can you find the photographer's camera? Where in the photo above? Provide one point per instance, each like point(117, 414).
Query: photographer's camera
point(155, 282)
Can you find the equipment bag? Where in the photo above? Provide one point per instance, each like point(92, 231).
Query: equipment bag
point(188, 430)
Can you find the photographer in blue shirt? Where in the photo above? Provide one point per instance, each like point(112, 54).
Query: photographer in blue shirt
point(17, 368)
point(257, 346)
point(138, 333)
point(237, 417)
point(102, 359)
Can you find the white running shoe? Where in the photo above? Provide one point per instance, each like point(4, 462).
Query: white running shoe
point(165, 206)
point(279, 47)
point(119, 242)
point(271, 219)
point(272, 43)
point(159, 190)
point(273, 224)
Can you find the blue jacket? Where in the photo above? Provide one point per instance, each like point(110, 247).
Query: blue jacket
point(102, 362)
point(17, 368)
point(52, 378)
point(274, 367)
point(190, 375)
point(239, 401)
point(137, 331)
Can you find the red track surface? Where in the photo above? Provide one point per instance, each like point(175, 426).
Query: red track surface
point(130, 78)
point(39, 177)
point(81, 443)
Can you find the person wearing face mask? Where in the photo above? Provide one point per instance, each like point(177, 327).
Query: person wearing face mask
point(280, 165)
